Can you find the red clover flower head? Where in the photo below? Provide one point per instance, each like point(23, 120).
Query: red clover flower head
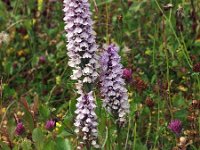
point(20, 129)
point(42, 59)
point(50, 125)
point(175, 126)
point(127, 74)
point(196, 67)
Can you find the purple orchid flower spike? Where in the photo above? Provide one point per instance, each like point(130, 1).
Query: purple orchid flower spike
point(114, 93)
point(83, 59)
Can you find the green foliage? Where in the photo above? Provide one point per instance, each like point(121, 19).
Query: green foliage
point(62, 144)
point(44, 112)
point(26, 145)
point(38, 137)
point(160, 56)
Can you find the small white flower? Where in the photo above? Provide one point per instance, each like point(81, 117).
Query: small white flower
point(87, 80)
point(87, 70)
point(85, 129)
point(78, 30)
point(4, 38)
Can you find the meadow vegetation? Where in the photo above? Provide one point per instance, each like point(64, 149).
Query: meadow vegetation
point(159, 45)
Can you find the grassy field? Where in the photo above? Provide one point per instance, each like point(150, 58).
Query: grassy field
point(159, 42)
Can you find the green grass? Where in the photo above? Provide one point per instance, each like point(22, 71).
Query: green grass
point(161, 58)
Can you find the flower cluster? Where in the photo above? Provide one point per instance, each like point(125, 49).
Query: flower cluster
point(175, 126)
point(127, 74)
point(112, 84)
point(20, 129)
point(149, 102)
point(196, 67)
point(81, 42)
point(42, 59)
point(86, 120)
point(83, 59)
point(50, 125)
point(4, 37)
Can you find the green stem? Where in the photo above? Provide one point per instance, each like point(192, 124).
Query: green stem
point(149, 129)
point(175, 35)
point(185, 51)
point(4, 115)
point(16, 6)
point(88, 146)
point(157, 131)
point(129, 122)
point(106, 138)
point(135, 134)
point(107, 23)
point(154, 56)
point(168, 83)
point(119, 137)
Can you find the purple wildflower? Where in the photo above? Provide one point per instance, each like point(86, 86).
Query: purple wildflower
point(86, 119)
point(175, 126)
point(20, 128)
point(42, 59)
point(196, 67)
point(127, 74)
point(112, 84)
point(83, 59)
point(81, 41)
point(50, 125)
